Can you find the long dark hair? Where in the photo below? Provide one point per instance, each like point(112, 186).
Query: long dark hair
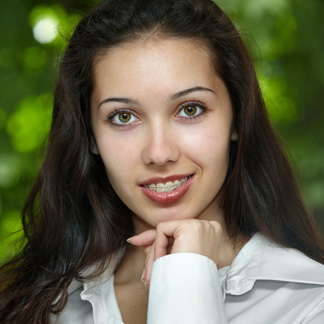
point(73, 218)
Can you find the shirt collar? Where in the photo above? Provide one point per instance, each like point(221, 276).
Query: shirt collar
point(107, 274)
point(261, 259)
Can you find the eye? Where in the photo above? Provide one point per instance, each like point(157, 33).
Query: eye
point(122, 118)
point(191, 110)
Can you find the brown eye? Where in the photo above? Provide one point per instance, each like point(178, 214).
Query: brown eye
point(190, 110)
point(124, 117)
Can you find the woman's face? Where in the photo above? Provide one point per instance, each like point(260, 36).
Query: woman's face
point(162, 120)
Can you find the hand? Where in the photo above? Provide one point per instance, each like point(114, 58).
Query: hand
point(179, 236)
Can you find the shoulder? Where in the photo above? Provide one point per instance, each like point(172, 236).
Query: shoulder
point(275, 282)
point(261, 259)
point(92, 298)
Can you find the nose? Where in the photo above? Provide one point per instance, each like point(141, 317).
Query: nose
point(161, 146)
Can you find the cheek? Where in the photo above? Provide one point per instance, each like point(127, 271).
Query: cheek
point(209, 144)
point(118, 155)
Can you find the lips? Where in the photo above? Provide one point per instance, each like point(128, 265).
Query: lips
point(167, 190)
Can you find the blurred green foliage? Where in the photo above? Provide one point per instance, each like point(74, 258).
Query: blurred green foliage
point(285, 38)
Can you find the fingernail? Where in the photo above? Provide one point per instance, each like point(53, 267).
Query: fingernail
point(129, 239)
point(145, 284)
point(143, 274)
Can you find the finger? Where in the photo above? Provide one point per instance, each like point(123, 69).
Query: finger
point(170, 244)
point(162, 242)
point(147, 249)
point(161, 246)
point(191, 236)
point(148, 266)
point(144, 239)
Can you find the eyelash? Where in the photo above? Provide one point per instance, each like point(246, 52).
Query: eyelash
point(196, 104)
point(116, 113)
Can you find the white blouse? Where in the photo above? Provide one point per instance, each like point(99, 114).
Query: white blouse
point(265, 284)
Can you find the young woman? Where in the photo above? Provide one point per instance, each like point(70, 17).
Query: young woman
point(160, 136)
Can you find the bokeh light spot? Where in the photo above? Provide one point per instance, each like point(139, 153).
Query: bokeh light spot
point(30, 123)
point(45, 30)
point(8, 172)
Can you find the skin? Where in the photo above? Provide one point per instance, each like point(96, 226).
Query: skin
point(149, 80)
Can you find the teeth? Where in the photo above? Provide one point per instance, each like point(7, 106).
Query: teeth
point(167, 187)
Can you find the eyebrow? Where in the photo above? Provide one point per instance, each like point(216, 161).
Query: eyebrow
point(177, 95)
point(126, 101)
point(182, 93)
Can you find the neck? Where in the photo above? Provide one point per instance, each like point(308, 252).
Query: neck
point(229, 251)
point(132, 265)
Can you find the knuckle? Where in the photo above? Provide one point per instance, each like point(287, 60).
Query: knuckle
point(159, 227)
point(217, 226)
point(195, 224)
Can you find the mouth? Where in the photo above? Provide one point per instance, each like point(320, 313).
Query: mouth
point(167, 190)
point(168, 186)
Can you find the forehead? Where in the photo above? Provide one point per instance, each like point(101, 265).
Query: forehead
point(156, 42)
point(158, 62)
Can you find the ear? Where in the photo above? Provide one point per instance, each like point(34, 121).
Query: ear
point(94, 148)
point(234, 135)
